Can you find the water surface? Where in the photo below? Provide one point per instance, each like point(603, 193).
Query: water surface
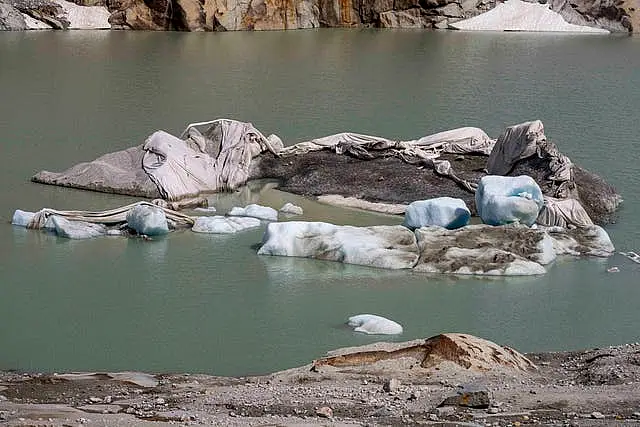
point(208, 303)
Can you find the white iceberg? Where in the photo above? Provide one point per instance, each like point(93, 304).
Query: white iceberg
point(291, 209)
point(256, 211)
point(508, 199)
point(373, 324)
point(446, 212)
point(22, 218)
point(223, 225)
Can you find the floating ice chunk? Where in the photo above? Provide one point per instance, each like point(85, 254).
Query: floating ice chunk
point(148, 220)
point(373, 324)
point(223, 225)
point(507, 199)
point(22, 218)
point(77, 229)
point(291, 209)
point(256, 211)
point(383, 246)
point(446, 212)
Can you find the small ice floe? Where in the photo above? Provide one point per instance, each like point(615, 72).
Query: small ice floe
point(373, 324)
point(291, 209)
point(256, 211)
point(613, 270)
point(223, 225)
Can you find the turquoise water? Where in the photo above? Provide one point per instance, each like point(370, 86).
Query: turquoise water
point(206, 303)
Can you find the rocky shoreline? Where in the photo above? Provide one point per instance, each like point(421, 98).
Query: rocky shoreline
point(577, 388)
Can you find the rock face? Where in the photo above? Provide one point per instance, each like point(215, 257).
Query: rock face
point(11, 19)
point(467, 351)
point(392, 247)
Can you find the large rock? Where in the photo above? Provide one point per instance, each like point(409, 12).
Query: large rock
point(465, 351)
point(484, 250)
point(446, 212)
point(504, 200)
point(392, 247)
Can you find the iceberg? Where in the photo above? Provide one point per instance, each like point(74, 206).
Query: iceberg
point(77, 229)
point(256, 211)
point(504, 200)
point(373, 324)
point(447, 212)
point(147, 220)
point(223, 225)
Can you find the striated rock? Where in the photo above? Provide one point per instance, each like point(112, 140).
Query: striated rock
point(463, 350)
point(484, 250)
point(392, 247)
point(11, 19)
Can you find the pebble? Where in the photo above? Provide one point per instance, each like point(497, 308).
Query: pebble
point(3, 398)
point(160, 401)
point(324, 412)
point(392, 385)
point(597, 415)
point(493, 410)
point(636, 415)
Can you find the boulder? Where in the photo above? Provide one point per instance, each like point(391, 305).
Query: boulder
point(223, 225)
point(392, 247)
point(444, 212)
point(77, 229)
point(373, 324)
point(462, 350)
point(484, 250)
point(147, 220)
point(256, 211)
point(504, 200)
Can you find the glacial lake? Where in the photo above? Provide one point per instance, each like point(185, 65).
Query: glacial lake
point(209, 303)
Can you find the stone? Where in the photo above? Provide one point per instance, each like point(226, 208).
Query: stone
point(597, 415)
point(391, 385)
point(467, 351)
point(372, 324)
point(447, 212)
point(392, 247)
point(474, 399)
point(147, 220)
point(324, 412)
point(504, 200)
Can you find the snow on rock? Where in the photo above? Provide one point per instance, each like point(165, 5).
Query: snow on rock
point(85, 17)
point(518, 15)
point(261, 212)
point(392, 247)
point(223, 225)
point(512, 250)
point(77, 229)
point(291, 209)
point(508, 199)
point(446, 212)
point(373, 324)
point(148, 220)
